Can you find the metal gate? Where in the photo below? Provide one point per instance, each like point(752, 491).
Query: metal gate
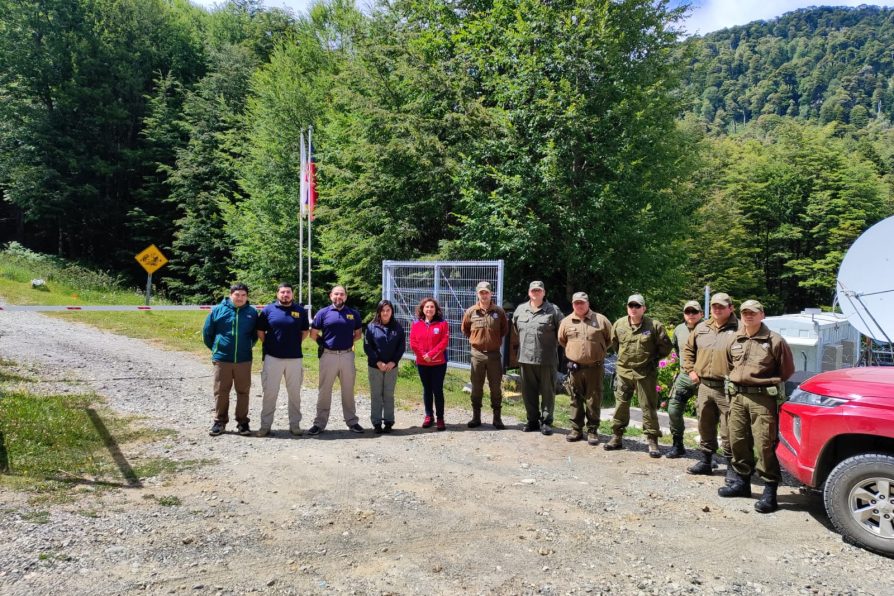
point(451, 283)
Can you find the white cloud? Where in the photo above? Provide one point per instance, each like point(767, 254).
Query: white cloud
point(711, 15)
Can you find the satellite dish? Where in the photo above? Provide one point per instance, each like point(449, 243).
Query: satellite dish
point(866, 282)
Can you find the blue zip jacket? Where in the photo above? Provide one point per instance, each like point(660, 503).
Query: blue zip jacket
point(231, 332)
point(384, 343)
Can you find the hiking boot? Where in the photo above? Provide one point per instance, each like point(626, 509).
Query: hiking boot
point(440, 424)
point(614, 443)
point(741, 487)
point(476, 418)
point(428, 421)
point(216, 429)
point(592, 439)
point(730, 475)
point(498, 422)
point(702, 467)
point(654, 451)
point(678, 450)
point(546, 429)
point(314, 430)
point(296, 431)
point(262, 432)
point(377, 428)
point(531, 427)
point(767, 503)
point(574, 435)
point(356, 428)
point(242, 429)
point(389, 426)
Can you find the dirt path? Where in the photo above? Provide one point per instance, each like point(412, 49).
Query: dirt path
point(422, 512)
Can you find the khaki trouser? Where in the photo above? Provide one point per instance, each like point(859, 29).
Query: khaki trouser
point(341, 366)
point(227, 374)
point(538, 380)
point(272, 373)
point(713, 408)
point(754, 421)
point(487, 365)
point(585, 389)
point(381, 390)
point(648, 402)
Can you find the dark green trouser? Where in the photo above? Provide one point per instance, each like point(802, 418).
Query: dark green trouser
point(585, 388)
point(713, 409)
point(683, 389)
point(487, 365)
point(754, 421)
point(538, 380)
point(648, 402)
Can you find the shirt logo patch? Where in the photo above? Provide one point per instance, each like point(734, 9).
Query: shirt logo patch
point(647, 333)
point(349, 317)
point(494, 315)
point(296, 315)
point(436, 330)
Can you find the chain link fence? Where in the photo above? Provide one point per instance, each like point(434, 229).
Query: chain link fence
point(451, 283)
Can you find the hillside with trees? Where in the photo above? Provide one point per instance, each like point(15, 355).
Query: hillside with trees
point(583, 141)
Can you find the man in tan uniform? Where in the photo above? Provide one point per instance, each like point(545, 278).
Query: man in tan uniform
point(485, 324)
point(585, 335)
point(704, 360)
point(760, 362)
point(640, 343)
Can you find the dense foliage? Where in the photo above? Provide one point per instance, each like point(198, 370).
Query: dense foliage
point(580, 140)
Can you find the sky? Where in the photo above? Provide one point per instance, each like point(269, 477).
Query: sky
point(705, 15)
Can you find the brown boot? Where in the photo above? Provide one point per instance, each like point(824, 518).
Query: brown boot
point(476, 418)
point(652, 442)
point(498, 422)
point(573, 436)
point(614, 443)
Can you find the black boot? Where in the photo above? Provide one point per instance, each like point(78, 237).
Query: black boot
point(730, 472)
point(767, 503)
point(704, 466)
point(476, 417)
point(678, 450)
point(498, 421)
point(741, 487)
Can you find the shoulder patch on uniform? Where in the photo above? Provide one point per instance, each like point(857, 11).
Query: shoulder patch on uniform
point(495, 315)
point(647, 333)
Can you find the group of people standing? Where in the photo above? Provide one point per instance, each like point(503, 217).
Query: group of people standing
point(737, 370)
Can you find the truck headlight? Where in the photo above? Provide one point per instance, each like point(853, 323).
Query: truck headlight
point(799, 396)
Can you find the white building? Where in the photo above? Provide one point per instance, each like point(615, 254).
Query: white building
point(820, 341)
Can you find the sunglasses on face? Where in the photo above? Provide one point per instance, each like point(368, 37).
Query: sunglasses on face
point(634, 305)
point(689, 311)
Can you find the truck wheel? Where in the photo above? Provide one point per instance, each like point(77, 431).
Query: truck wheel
point(859, 498)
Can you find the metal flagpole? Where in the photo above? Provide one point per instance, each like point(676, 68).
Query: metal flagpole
point(310, 130)
point(301, 221)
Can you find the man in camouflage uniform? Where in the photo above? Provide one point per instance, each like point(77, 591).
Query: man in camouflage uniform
point(485, 324)
point(683, 388)
point(704, 360)
point(760, 362)
point(585, 335)
point(640, 343)
point(537, 324)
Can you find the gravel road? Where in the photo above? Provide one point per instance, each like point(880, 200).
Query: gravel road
point(463, 511)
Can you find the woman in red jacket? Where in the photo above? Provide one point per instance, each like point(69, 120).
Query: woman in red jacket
point(428, 340)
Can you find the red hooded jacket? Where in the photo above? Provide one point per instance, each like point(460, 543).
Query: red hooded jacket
point(429, 338)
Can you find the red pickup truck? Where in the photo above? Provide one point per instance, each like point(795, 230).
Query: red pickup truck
point(836, 433)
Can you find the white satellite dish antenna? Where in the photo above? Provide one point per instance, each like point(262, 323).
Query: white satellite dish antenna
point(866, 282)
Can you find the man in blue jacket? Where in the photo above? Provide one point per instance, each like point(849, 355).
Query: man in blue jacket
point(230, 332)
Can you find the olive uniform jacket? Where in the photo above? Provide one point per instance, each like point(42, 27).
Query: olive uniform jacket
point(639, 347)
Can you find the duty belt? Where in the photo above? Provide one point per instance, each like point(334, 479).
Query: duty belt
point(713, 383)
point(328, 351)
point(749, 388)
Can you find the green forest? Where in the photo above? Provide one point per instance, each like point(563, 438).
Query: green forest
point(589, 143)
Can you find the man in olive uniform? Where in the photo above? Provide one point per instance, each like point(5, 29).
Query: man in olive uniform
point(485, 324)
point(704, 360)
point(586, 336)
point(537, 324)
point(684, 388)
point(760, 362)
point(640, 343)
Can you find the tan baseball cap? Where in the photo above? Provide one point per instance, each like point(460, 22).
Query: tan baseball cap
point(722, 298)
point(536, 285)
point(693, 304)
point(483, 285)
point(580, 297)
point(752, 305)
point(637, 299)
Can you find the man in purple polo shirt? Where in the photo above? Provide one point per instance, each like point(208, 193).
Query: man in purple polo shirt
point(339, 327)
point(282, 326)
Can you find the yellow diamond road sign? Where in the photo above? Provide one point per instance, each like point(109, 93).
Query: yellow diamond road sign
point(151, 259)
